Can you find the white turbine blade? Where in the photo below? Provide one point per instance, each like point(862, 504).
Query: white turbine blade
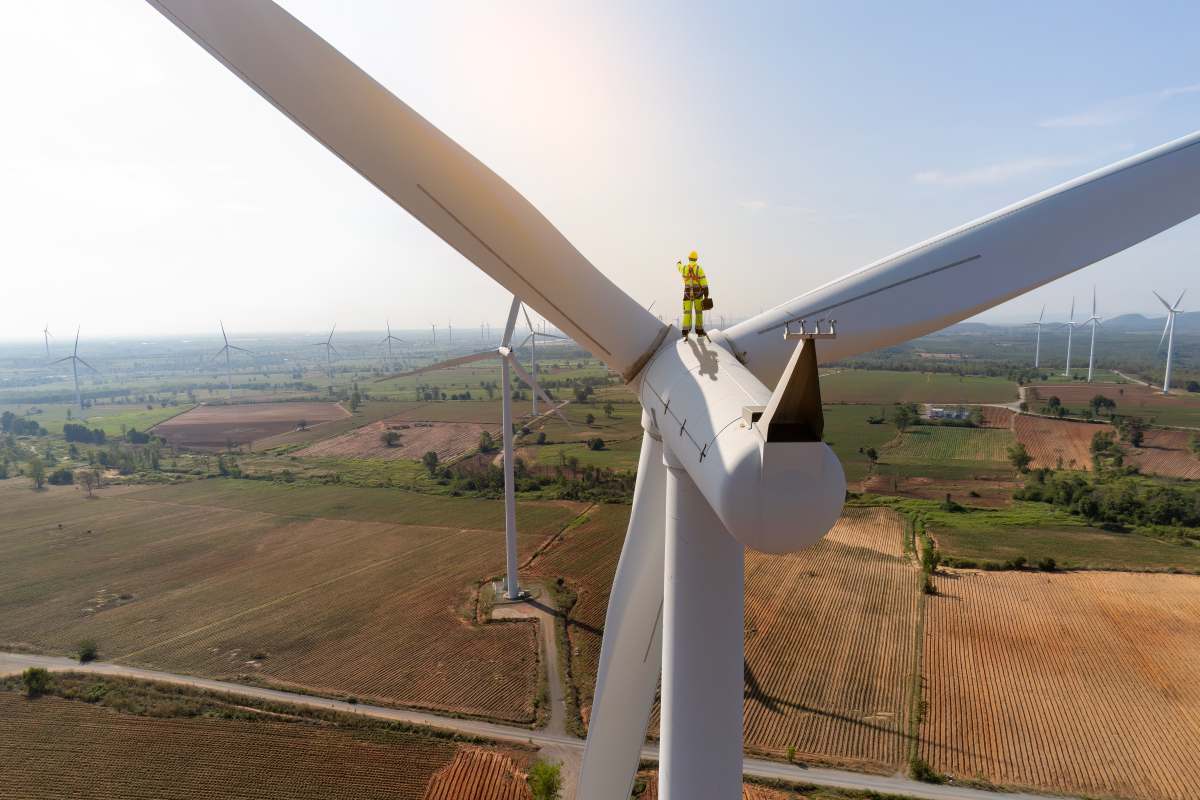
point(59, 361)
point(631, 653)
point(331, 330)
point(76, 350)
point(552, 336)
point(224, 335)
point(421, 169)
point(533, 384)
point(1180, 300)
point(1163, 338)
point(512, 322)
point(86, 364)
point(1043, 313)
point(452, 362)
point(528, 321)
point(1093, 301)
point(235, 347)
point(1166, 305)
point(1072, 317)
point(220, 352)
point(986, 262)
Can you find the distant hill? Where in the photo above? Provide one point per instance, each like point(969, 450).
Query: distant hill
point(1187, 322)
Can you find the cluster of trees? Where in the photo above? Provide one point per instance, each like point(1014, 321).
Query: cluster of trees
point(73, 432)
point(567, 481)
point(906, 415)
point(20, 426)
point(1114, 499)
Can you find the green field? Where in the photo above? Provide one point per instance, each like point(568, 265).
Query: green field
point(883, 387)
point(847, 431)
point(109, 418)
point(981, 448)
point(1036, 531)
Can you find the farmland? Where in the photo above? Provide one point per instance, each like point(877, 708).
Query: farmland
point(848, 433)
point(1081, 683)
point(1167, 453)
point(979, 448)
point(134, 739)
point(308, 588)
point(217, 427)
point(1132, 399)
point(1057, 443)
point(449, 440)
point(880, 386)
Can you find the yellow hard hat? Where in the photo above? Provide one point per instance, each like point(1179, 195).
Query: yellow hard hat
point(692, 256)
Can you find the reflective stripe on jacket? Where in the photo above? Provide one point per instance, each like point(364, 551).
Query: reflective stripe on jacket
point(692, 274)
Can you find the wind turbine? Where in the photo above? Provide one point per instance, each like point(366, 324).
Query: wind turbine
point(1169, 334)
point(727, 462)
point(75, 362)
point(46, 336)
point(228, 367)
point(329, 351)
point(434, 326)
point(388, 341)
point(1037, 348)
point(1070, 326)
point(1094, 321)
point(507, 360)
point(531, 339)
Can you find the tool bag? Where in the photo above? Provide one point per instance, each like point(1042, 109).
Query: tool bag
point(706, 304)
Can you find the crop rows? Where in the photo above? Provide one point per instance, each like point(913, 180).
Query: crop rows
point(214, 427)
point(1082, 683)
point(939, 445)
point(1167, 453)
point(479, 774)
point(830, 637)
point(53, 748)
point(1056, 443)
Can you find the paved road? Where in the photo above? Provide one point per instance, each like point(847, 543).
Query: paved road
point(557, 745)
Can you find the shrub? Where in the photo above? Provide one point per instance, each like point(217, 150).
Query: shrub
point(390, 438)
point(61, 477)
point(35, 680)
point(595, 443)
point(591, 419)
point(1047, 564)
point(430, 460)
point(541, 437)
point(920, 770)
point(791, 753)
point(88, 651)
point(545, 780)
point(930, 587)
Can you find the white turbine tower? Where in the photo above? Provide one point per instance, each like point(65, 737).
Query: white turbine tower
point(228, 366)
point(329, 351)
point(1037, 348)
point(505, 354)
point(731, 456)
point(1070, 326)
point(531, 339)
point(1094, 321)
point(1169, 334)
point(46, 336)
point(75, 362)
point(388, 341)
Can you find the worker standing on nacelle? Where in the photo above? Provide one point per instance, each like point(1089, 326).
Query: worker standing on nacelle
point(695, 293)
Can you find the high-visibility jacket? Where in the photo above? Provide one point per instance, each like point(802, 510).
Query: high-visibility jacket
point(692, 274)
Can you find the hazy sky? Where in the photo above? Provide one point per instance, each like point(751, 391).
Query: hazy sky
point(144, 189)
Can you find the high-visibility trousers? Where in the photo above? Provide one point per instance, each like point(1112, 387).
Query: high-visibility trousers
point(692, 305)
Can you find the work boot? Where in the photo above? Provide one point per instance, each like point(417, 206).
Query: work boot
point(685, 335)
point(700, 333)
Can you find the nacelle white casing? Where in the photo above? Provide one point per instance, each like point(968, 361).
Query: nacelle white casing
point(774, 497)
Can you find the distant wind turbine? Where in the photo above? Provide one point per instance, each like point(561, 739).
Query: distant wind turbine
point(388, 341)
point(507, 360)
point(46, 335)
point(1094, 321)
point(1070, 326)
point(75, 362)
point(329, 351)
point(532, 340)
point(1169, 334)
point(1037, 348)
point(228, 366)
point(434, 326)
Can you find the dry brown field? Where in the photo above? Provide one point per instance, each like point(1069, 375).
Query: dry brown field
point(749, 791)
point(978, 492)
point(296, 588)
point(1167, 453)
point(215, 427)
point(1083, 683)
point(56, 748)
point(1051, 441)
point(830, 645)
point(997, 417)
point(1129, 397)
point(479, 774)
point(450, 440)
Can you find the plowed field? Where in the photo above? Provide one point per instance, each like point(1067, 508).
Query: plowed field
point(996, 417)
point(217, 427)
point(448, 439)
point(478, 774)
point(190, 579)
point(55, 748)
point(1167, 453)
point(1129, 397)
point(1057, 442)
point(1083, 683)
